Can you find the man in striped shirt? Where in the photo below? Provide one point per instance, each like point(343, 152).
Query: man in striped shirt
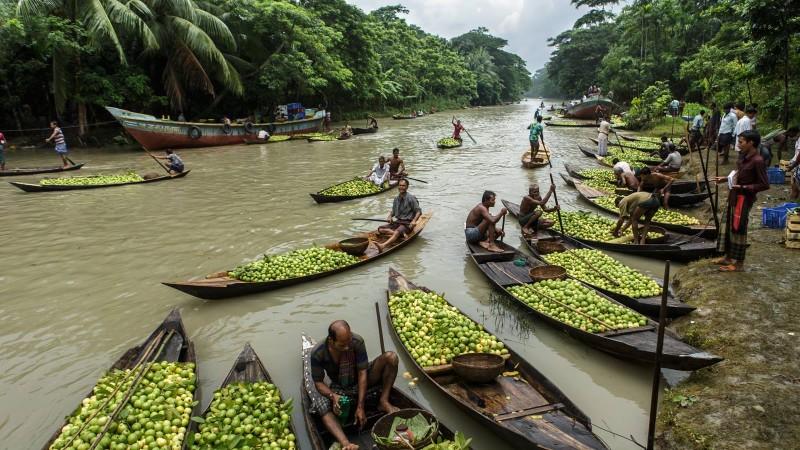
point(61, 145)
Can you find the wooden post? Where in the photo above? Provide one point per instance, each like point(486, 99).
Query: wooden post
point(704, 165)
point(558, 212)
point(380, 326)
point(662, 322)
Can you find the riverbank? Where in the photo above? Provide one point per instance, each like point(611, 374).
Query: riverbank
point(750, 400)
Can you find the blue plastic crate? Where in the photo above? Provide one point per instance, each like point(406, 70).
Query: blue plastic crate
point(776, 217)
point(776, 175)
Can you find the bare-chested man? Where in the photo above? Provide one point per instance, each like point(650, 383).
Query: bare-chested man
point(529, 212)
point(481, 226)
point(650, 181)
point(397, 168)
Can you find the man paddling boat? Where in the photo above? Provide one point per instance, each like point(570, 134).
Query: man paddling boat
point(457, 129)
point(342, 355)
point(531, 209)
point(480, 227)
point(57, 136)
point(403, 217)
point(397, 167)
point(536, 134)
point(632, 209)
point(379, 173)
point(174, 162)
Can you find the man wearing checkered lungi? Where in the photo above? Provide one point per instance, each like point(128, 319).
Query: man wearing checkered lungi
point(749, 179)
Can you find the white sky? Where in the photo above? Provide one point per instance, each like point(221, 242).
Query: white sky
point(525, 24)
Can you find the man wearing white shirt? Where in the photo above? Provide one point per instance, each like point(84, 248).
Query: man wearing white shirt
point(796, 177)
point(744, 124)
point(726, 129)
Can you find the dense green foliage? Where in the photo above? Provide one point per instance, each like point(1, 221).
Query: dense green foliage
point(702, 51)
point(67, 59)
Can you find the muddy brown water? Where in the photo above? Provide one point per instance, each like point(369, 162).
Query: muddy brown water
point(81, 271)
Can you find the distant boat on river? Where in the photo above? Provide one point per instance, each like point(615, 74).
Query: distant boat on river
point(586, 108)
point(155, 134)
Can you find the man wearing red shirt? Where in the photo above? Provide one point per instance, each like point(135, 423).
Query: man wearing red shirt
point(749, 179)
point(457, 127)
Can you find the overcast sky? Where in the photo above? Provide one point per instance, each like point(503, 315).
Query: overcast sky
point(525, 24)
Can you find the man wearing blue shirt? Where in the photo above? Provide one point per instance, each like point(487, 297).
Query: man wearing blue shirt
point(696, 131)
point(726, 129)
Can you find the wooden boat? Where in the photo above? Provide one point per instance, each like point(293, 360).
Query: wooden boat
point(154, 134)
point(168, 342)
point(567, 124)
point(327, 138)
point(542, 159)
point(650, 147)
point(589, 194)
point(646, 305)
point(365, 130)
point(675, 246)
point(678, 186)
point(403, 117)
point(636, 344)
point(28, 187)
point(36, 170)
point(247, 369)
point(440, 144)
point(322, 198)
point(592, 153)
point(319, 436)
point(271, 140)
point(586, 109)
point(219, 285)
point(527, 409)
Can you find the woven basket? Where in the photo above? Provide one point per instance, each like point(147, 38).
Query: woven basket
point(542, 273)
point(478, 367)
point(354, 246)
point(545, 247)
point(383, 425)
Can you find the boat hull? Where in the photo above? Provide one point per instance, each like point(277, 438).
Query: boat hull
point(37, 170)
point(586, 110)
point(156, 134)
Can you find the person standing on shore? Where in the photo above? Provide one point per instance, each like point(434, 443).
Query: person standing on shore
point(726, 129)
point(712, 127)
point(57, 136)
point(749, 178)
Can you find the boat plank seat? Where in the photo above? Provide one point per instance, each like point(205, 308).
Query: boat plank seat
point(504, 396)
point(484, 255)
point(529, 412)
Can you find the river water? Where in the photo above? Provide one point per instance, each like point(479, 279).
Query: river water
point(81, 271)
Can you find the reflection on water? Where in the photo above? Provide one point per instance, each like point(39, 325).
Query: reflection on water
point(81, 272)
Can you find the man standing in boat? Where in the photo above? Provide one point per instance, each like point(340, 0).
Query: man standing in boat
point(457, 128)
point(342, 355)
point(530, 212)
point(397, 167)
point(536, 134)
point(480, 227)
point(749, 178)
point(57, 136)
point(403, 217)
point(602, 137)
point(174, 164)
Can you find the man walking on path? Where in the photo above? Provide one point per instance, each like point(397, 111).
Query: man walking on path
point(61, 144)
point(749, 178)
point(726, 129)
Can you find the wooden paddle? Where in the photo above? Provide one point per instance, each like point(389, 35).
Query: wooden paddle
point(370, 220)
point(157, 160)
point(417, 179)
point(465, 131)
point(555, 196)
point(547, 153)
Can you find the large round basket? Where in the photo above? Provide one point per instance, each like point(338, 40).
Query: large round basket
point(542, 273)
point(354, 246)
point(545, 247)
point(478, 367)
point(382, 429)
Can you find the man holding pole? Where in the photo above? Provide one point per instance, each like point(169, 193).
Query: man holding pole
point(529, 212)
point(175, 164)
point(536, 134)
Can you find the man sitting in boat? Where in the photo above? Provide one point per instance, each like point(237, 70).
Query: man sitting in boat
point(174, 164)
point(263, 135)
point(346, 132)
point(530, 212)
point(672, 163)
point(650, 181)
point(665, 148)
point(403, 217)
point(457, 128)
point(480, 227)
point(632, 209)
point(397, 167)
point(342, 355)
point(379, 173)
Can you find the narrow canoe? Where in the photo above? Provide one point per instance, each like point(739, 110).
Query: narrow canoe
point(247, 369)
point(527, 409)
point(542, 159)
point(678, 186)
point(571, 124)
point(593, 154)
point(28, 187)
point(170, 338)
point(219, 285)
point(646, 147)
point(322, 198)
point(321, 439)
point(681, 149)
point(440, 144)
point(676, 247)
point(36, 170)
point(365, 130)
point(636, 344)
point(589, 194)
point(402, 117)
point(650, 306)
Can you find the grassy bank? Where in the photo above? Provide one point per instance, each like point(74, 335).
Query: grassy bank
point(750, 400)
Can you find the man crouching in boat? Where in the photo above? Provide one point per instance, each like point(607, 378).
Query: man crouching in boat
point(480, 226)
point(529, 212)
point(633, 209)
point(175, 164)
point(403, 217)
point(343, 356)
